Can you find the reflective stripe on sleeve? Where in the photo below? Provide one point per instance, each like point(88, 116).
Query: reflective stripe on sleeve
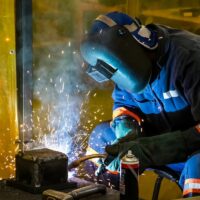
point(123, 111)
point(189, 191)
point(191, 186)
point(170, 94)
point(192, 180)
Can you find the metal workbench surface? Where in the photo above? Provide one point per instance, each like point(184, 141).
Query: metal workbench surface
point(12, 193)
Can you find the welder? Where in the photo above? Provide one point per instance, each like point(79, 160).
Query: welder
point(156, 111)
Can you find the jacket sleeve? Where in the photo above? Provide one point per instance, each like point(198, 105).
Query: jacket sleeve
point(124, 105)
point(126, 119)
point(190, 81)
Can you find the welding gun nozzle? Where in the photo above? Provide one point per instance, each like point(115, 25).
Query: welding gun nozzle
point(77, 162)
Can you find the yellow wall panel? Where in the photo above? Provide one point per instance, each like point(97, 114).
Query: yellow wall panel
point(8, 97)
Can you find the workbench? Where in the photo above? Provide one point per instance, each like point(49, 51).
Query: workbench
point(11, 193)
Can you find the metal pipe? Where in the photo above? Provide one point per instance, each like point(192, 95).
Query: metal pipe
point(24, 60)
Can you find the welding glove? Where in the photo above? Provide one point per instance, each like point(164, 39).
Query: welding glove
point(125, 129)
point(157, 150)
point(123, 126)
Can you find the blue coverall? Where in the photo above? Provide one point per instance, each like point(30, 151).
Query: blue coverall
point(170, 102)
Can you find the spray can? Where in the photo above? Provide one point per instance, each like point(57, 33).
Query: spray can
point(129, 173)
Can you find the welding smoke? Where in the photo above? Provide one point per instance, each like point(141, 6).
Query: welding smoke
point(61, 88)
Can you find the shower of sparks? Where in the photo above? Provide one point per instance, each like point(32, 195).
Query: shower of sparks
point(56, 120)
point(71, 174)
point(9, 163)
point(64, 132)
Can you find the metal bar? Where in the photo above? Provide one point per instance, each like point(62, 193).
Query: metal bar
point(24, 67)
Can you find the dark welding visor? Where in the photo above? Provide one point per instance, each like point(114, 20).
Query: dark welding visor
point(114, 54)
point(101, 72)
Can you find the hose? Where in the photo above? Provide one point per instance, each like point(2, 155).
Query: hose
point(77, 162)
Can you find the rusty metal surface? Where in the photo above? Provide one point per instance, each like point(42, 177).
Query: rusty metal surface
point(43, 154)
point(40, 169)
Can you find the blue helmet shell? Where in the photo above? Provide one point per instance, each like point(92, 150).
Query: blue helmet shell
point(143, 35)
point(114, 48)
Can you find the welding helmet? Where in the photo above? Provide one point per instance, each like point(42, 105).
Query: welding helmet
point(114, 51)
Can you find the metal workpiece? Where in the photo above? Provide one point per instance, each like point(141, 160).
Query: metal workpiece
point(88, 190)
point(75, 194)
point(42, 155)
point(13, 193)
point(41, 169)
point(55, 195)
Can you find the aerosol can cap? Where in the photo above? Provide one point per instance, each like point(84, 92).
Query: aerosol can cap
point(130, 154)
point(130, 157)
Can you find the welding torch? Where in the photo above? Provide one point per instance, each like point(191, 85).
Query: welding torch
point(77, 162)
point(107, 158)
point(78, 193)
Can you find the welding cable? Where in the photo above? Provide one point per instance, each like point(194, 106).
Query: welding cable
point(77, 162)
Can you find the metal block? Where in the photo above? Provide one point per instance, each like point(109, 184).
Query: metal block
point(39, 169)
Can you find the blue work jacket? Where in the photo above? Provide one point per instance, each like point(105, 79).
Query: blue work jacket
point(171, 101)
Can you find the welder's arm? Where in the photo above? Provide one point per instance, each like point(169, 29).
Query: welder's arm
point(125, 126)
point(190, 82)
point(126, 129)
point(157, 150)
point(126, 120)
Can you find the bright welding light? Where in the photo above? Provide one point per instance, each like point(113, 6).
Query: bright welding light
point(58, 119)
point(71, 174)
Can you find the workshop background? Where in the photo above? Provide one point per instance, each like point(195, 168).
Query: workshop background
point(49, 101)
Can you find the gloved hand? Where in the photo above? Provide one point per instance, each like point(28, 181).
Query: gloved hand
point(112, 163)
point(156, 150)
point(104, 163)
point(125, 125)
point(101, 168)
point(126, 129)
